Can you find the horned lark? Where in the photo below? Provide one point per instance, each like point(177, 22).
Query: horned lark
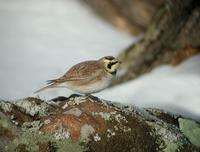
point(87, 77)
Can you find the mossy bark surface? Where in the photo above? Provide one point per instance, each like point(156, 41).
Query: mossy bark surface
point(82, 124)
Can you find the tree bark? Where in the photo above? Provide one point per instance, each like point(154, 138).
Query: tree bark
point(133, 16)
point(172, 36)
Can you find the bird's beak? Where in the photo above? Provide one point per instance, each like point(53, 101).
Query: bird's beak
point(119, 62)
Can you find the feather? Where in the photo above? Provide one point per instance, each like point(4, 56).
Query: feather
point(50, 84)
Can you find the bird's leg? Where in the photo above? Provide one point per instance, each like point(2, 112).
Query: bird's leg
point(92, 98)
point(87, 96)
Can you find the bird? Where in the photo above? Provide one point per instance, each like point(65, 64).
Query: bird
point(87, 77)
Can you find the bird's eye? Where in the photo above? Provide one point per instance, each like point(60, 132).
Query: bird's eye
point(109, 65)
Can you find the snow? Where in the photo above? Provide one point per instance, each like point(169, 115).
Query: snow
point(41, 39)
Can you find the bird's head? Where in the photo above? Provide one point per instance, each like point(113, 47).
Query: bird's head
point(110, 63)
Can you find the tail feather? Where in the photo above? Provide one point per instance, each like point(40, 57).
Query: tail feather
point(50, 84)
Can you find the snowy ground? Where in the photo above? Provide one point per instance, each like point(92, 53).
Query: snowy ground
point(41, 39)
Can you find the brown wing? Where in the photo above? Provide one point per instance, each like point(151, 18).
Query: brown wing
point(79, 71)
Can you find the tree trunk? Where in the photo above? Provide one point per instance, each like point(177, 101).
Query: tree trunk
point(172, 36)
point(133, 16)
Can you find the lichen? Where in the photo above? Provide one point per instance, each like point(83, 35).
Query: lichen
point(47, 121)
point(86, 131)
point(61, 133)
point(74, 111)
point(31, 141)
point(32, 126)
point(75, 101)
point(191, 130)
point(5, 106)
point(104, 126)
point(110, 133)
point(104, 115)
point(171, 137)
point(97, 137)
point(119, 118)
point(32, 107)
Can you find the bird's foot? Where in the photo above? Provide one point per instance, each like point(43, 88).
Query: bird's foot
point(92, 98)
point(60, 98)
point(63, 98)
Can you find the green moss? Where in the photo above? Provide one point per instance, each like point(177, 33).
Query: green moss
point(21, 148)
point(32, 140)
point(47, 147)
point(138, 138)
point(170, 146)
point(124, 142)
point(188, 148)
point(191, 130)
point(3, 121)
point(5, 133)
point(171, 138)
point(65, 145)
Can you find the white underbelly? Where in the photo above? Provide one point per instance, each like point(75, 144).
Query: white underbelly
point(89, 88)
point(96, 87)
